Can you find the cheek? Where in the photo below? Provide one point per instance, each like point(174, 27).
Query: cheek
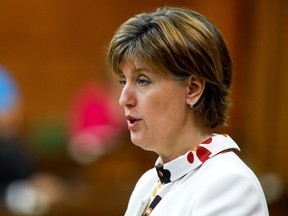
point(163, 103)
point(154, 105)
point(165, 107)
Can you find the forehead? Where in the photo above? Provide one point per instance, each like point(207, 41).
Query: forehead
point(137, 66)
point(133, 66)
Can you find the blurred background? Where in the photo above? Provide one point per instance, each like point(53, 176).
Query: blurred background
point(64, 147)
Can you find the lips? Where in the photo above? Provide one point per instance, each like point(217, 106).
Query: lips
point(132, 121)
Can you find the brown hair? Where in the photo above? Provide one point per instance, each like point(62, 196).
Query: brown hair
point(182, 43)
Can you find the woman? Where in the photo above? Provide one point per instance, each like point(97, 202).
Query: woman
point(176, 74)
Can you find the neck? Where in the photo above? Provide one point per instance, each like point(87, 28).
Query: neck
point(186, 142)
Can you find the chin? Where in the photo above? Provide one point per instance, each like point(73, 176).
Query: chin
point(140, 143)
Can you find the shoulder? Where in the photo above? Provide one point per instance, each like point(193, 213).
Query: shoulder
point(228, 168)
point(227, 165)
point(228, 185)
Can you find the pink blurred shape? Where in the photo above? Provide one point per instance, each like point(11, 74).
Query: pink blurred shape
point(95, 120)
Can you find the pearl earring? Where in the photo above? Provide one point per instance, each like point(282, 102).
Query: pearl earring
point(191, 105)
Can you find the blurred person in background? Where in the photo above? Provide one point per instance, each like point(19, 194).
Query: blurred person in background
point(24, 189)
point(176, 73)
point(13, 162)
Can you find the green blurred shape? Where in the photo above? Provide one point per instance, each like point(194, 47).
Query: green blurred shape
point(47, 137)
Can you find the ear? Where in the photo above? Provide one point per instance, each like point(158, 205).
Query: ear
point(195, 88)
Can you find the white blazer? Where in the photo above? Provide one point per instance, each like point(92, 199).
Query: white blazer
point(203, 182)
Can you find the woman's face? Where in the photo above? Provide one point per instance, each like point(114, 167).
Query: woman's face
point(155, 107)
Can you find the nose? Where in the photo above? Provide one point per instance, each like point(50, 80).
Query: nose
point(127, 97)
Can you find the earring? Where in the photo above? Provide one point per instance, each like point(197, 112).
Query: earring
point(191, 105)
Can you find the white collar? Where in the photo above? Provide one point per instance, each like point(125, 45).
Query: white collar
point(194, 158)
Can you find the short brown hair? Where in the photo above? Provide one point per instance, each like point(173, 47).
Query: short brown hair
point(182, 43)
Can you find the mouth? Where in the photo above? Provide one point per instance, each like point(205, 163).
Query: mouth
point(132, 121)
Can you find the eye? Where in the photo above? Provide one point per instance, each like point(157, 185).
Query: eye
point(143, 81)
point(122, 81)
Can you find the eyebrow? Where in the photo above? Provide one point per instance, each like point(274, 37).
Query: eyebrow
point(138, 70)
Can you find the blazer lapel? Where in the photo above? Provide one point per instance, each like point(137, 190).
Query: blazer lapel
point(142, 206)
